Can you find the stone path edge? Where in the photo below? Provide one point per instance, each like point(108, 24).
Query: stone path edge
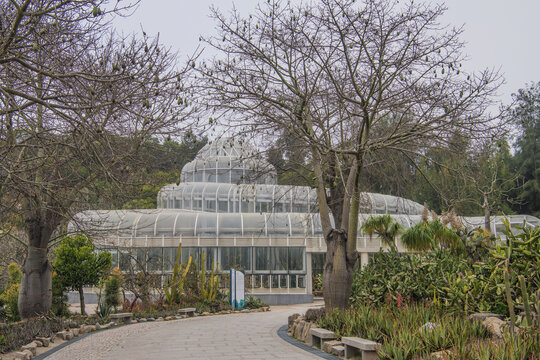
point(282, 333)
point(63, 345)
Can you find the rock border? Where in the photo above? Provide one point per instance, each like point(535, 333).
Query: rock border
point(282, 333)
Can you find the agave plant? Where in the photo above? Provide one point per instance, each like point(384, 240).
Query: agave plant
point(385, 227)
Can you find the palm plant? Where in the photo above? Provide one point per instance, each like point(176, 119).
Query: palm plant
point(385, 227)
point(427, 235)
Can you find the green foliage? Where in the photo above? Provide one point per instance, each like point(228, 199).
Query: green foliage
point(455, 281)
point(10, 299)
point(406, 331)
point(526, 113)
point(78, 264)
point(175, 283)
point(317, 282)
point(14, 274)
point(112, 288)
point(254, 303)
point(429, 235)
point(59, 298)
point(103, 309)
point(383, 226)
point(209, 287)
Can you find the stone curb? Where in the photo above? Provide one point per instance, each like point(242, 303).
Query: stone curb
point(282, 333)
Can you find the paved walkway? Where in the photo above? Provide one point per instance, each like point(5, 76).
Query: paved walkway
point(235, 336)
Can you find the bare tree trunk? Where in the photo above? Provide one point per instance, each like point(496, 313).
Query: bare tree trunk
point(35, 296)
point(81, 299)
point(338, 270)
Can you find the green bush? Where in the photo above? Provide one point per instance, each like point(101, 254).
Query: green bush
point(14, 274)
point(10, 298)
point(59, 298)
point(15, 335)
point(254, 303)
point(404, 332)
point(112, 289)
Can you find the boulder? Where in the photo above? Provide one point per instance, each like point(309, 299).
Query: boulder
point(24, 355)
point(328, 345)
point(45, 341)
point(484, 315)
point(305, 332)
point(292, 319)
point(495, 326)
point(142, 320)
point(338, 350)
point(133, 321)
point(72, 323)
point(38, 343)
point(206, 313)
point(159, 319)
point(245, 311)
point(89, 328)
point(151, 319)
point(442, 355)
point(299, 329)
point(32, 347)
point(169, 318)
point(75, 332)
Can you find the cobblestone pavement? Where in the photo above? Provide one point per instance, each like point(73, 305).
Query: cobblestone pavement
point(235, 336)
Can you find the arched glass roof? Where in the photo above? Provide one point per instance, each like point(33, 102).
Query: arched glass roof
point(229, 160)
point(172, 223)
point(262, 198)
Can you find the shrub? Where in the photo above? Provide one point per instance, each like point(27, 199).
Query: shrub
point(59, 298)
point(14, 274)
point(112, 288)
point(254, 303)
point(18, 334)
point(10, 299)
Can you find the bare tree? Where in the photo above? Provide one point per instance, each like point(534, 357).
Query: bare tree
point(346, 79)
point(77, 102)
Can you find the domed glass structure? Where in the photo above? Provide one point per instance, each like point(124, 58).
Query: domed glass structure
point(229, 206)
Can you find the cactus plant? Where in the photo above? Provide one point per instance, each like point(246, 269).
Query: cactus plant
point(175, 283)
point(209, 288)
point(509, 301)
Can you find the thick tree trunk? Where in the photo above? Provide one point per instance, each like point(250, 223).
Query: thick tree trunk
point(81, 300)
point(338, 270)
point(35, 296)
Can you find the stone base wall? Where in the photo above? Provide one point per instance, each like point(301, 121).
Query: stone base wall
point(284, 299)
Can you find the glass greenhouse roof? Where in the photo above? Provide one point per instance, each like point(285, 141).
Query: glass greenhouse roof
point(172, 223)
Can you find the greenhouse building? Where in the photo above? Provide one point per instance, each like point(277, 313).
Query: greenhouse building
point(229, 210)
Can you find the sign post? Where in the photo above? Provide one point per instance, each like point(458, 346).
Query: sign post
point(237, 290)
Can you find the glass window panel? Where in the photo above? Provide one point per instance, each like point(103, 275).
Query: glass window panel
point(177, 204)
point(224, 176)
point(124, 259)
point(262, 207)
point(236, 176)
point(243, 258)
point(262, 259)
point(226, 257)
point(210, 205)
point(257, 281)
point(188, 176)
point(278, 224)
point(142, 258)
point(265, 281)
point(283, 281)
point(187, 252)
point(114, 255)
point(230, 224)
point(317, 263)
point(211, 175)
point(155, 259)
point(223, 206)
point(292, 281)
point(253, 224)
point(198, 176)
point(275, 281)
point(165, 224)
point(197, 204)
point(169, 257)
point(210, 259)
point(279, 258)
point(296, 259)
point(245, 206)
point(301, 282)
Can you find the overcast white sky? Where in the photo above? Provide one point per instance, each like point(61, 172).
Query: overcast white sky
point(500, 34)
